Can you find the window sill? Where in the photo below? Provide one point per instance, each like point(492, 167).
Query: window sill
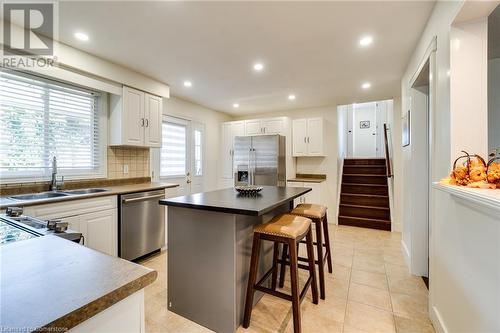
point(483, 198)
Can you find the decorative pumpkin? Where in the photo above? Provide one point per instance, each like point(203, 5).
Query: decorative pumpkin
point(493, 171)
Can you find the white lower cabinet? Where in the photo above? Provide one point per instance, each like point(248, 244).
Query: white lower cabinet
point(100, 231)
point(126, 316)
point(95, 218)
point(315, 196)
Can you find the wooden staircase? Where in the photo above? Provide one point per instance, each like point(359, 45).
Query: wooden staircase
point(364, 197)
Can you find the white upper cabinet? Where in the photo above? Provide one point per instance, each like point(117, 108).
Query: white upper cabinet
point(132, 117)
point(308, 137)
point(152, 118)
point(299, 130)
point(274, 125)
point(253, 127)
point(265, 126)
point(315, 137)
point(135, 119)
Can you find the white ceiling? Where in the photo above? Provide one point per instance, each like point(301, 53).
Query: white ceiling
point(309, 49)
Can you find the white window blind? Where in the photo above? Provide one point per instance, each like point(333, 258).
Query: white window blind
point(41, 118)
point(173, 150)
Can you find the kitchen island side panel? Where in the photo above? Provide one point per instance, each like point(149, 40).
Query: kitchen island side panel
point(244, 239)
point(208, 264)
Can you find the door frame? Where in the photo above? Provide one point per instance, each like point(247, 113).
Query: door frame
point(155, 153)
point(420, 262)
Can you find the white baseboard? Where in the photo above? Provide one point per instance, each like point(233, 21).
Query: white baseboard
point(437, 320)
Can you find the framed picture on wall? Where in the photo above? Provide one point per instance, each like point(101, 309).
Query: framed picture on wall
point(406, 129)
point(364, 124)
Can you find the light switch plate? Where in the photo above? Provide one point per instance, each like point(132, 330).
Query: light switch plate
point(125, 168)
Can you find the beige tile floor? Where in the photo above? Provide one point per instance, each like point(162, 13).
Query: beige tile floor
point(370, 290)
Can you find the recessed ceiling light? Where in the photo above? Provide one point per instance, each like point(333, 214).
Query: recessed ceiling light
point(365, 41)
point(81, 36)
point(258, 67)
point(236, 105)
point(366, 85)
point(291, 97)
point(187, 84)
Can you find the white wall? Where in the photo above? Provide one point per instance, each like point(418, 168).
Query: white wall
point(211, 119)
point(323, 165)
point(469, 87)
point(464, 256)
point(494, 103)
point(80, 62)
point(396, 182)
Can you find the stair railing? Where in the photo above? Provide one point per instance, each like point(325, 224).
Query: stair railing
point(387, 155)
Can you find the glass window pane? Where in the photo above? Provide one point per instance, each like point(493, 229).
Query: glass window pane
point(173, 150)
point(197, 153)
point(40, 119)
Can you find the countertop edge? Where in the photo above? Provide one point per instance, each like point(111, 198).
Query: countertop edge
point(28, 203)
point(93, 308)
point(228, 210)
point(480, 197)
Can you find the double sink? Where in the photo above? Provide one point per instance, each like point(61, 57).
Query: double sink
point(57, 194)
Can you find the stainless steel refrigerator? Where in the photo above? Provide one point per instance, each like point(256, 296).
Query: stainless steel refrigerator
point(259, 160)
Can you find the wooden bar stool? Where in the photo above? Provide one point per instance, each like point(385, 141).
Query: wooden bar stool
point(289, 230)
point(317, 214)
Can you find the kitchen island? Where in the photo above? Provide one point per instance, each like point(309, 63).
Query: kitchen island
point(209, 249)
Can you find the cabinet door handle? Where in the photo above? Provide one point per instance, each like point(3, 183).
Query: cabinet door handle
point(308, 139)
point(147, 122)
point(142, 122)
point(305, 140)
point(263, 130)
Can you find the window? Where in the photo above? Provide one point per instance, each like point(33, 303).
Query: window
point(173, 150)
point(198, 165)
point(40, 119)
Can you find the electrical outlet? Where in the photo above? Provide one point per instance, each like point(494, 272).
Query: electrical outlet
point(125, 168)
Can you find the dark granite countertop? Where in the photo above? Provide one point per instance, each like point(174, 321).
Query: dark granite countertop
point(112, 190)
point(229, 201)
point(49, 282)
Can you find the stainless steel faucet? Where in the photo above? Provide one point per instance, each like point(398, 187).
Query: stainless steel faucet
point(53, 182)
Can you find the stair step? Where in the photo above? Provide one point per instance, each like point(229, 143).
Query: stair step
point(365, 223)
point(365, 189)
point(364, 179)
point(364, 161)
point(368, 212)
point(364, 199)
point(365, 169)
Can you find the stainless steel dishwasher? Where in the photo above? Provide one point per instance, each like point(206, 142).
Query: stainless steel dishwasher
point(142, 224)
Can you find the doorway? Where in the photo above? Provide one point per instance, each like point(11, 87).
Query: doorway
point(418, 156)
point(180, 160)
point(365, 129)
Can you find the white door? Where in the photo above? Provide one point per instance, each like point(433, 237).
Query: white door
point(181, 159)
point(273, 126)
point(133, 122)
point(299, 136)
point(315, 136)
point(365, 130)
point(253, 127)
point(153, 117)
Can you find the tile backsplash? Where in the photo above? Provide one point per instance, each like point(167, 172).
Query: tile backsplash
point(137, 160)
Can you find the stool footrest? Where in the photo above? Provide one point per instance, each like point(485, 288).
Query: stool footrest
point(258, 286)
